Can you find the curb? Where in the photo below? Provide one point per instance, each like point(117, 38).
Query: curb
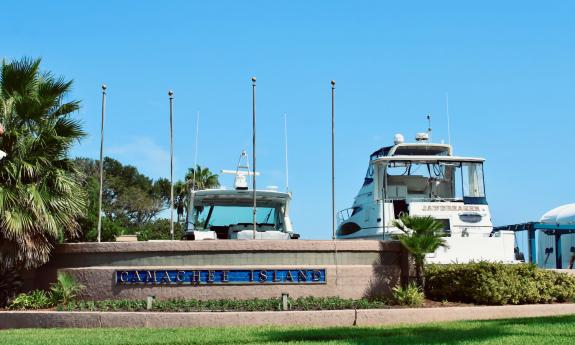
point(322, 318)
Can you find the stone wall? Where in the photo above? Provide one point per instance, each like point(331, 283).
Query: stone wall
point(353, 269)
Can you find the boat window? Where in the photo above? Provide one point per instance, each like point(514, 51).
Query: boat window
point(447, 180)
point(368, 175)
point(472, 175)
point(224, 216)
point(412, 180)
point(469, 183)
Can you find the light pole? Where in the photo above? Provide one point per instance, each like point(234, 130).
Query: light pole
point(171, 95)
point(101, 163)
point(333, 158)
point(254, 150)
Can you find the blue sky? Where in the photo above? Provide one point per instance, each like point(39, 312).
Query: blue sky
point(509, 69)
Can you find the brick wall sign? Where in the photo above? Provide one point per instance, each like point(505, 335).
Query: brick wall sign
point(220, 277)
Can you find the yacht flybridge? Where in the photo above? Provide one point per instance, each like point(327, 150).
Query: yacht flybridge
point(216, 214)
point(426, 179)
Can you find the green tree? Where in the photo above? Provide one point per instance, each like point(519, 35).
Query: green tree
point(90, 184)
point(199, 178)
point(40, 195)
point(130, 199)
point(421, 235)
point(159, 229)
point(181, 191)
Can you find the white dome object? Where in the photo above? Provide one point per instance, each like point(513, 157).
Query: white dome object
point(398, 139)
point(562, 215)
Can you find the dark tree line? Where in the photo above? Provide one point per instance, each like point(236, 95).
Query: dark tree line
point(133, 202)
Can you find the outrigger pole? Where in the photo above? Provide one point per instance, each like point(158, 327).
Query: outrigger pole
point(254, 150)
point(101, 164)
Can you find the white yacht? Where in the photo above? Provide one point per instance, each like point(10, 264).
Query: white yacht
point(216, 214)
point(426, 179)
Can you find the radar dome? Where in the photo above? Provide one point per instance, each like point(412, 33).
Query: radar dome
point(398, 139)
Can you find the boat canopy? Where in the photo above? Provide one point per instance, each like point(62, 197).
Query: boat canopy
point(427, 159)
point(238, 197)
point(411, 149)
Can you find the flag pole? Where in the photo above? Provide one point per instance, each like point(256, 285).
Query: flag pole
point(333, 158)
point(104, 87)
point(171, 95)
point(254, 152)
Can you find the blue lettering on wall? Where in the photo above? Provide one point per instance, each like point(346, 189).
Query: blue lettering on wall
point(220, 277)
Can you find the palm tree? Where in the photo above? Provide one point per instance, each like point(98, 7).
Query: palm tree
point(421, 235)
point(40, 194)
point(199, 178)
point(181, 192)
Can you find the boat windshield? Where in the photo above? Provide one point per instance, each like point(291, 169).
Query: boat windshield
point(435, 180)
point(227, 216)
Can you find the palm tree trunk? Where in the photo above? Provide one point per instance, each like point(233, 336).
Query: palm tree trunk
point(419, 273)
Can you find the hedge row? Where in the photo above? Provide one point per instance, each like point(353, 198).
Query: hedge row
point(188, 305)
point(497, 284)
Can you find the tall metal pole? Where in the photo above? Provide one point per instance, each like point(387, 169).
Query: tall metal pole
point(171, 95)
point(101, 164)
point(254, 150)
point(333, 158)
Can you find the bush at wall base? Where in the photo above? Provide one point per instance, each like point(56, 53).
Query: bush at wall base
point(497, 284)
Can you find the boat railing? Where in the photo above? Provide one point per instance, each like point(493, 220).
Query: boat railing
point(343, 215)
point(427, 199)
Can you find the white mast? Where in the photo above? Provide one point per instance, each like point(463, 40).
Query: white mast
point(191, 201)
point(286, 151)
point(448, 119)
point(429, 130)
point(196, 148)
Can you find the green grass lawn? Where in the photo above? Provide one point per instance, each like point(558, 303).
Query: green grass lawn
point(551, 330)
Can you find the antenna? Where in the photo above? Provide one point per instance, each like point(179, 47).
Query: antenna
point(191, 201)
point(196, 148)
point(429, 130)
point(448, 119)
point(286, 146)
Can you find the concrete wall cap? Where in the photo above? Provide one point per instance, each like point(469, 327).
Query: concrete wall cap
point(231, 246)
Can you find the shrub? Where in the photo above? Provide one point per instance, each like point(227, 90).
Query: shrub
point(36, 299)
point(497, 284)
point(187, 305)
point(411, 295)
point(65, 289)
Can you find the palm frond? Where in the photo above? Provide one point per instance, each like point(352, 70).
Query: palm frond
point(41, 194)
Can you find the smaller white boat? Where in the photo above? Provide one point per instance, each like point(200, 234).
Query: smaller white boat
point(218, 214)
